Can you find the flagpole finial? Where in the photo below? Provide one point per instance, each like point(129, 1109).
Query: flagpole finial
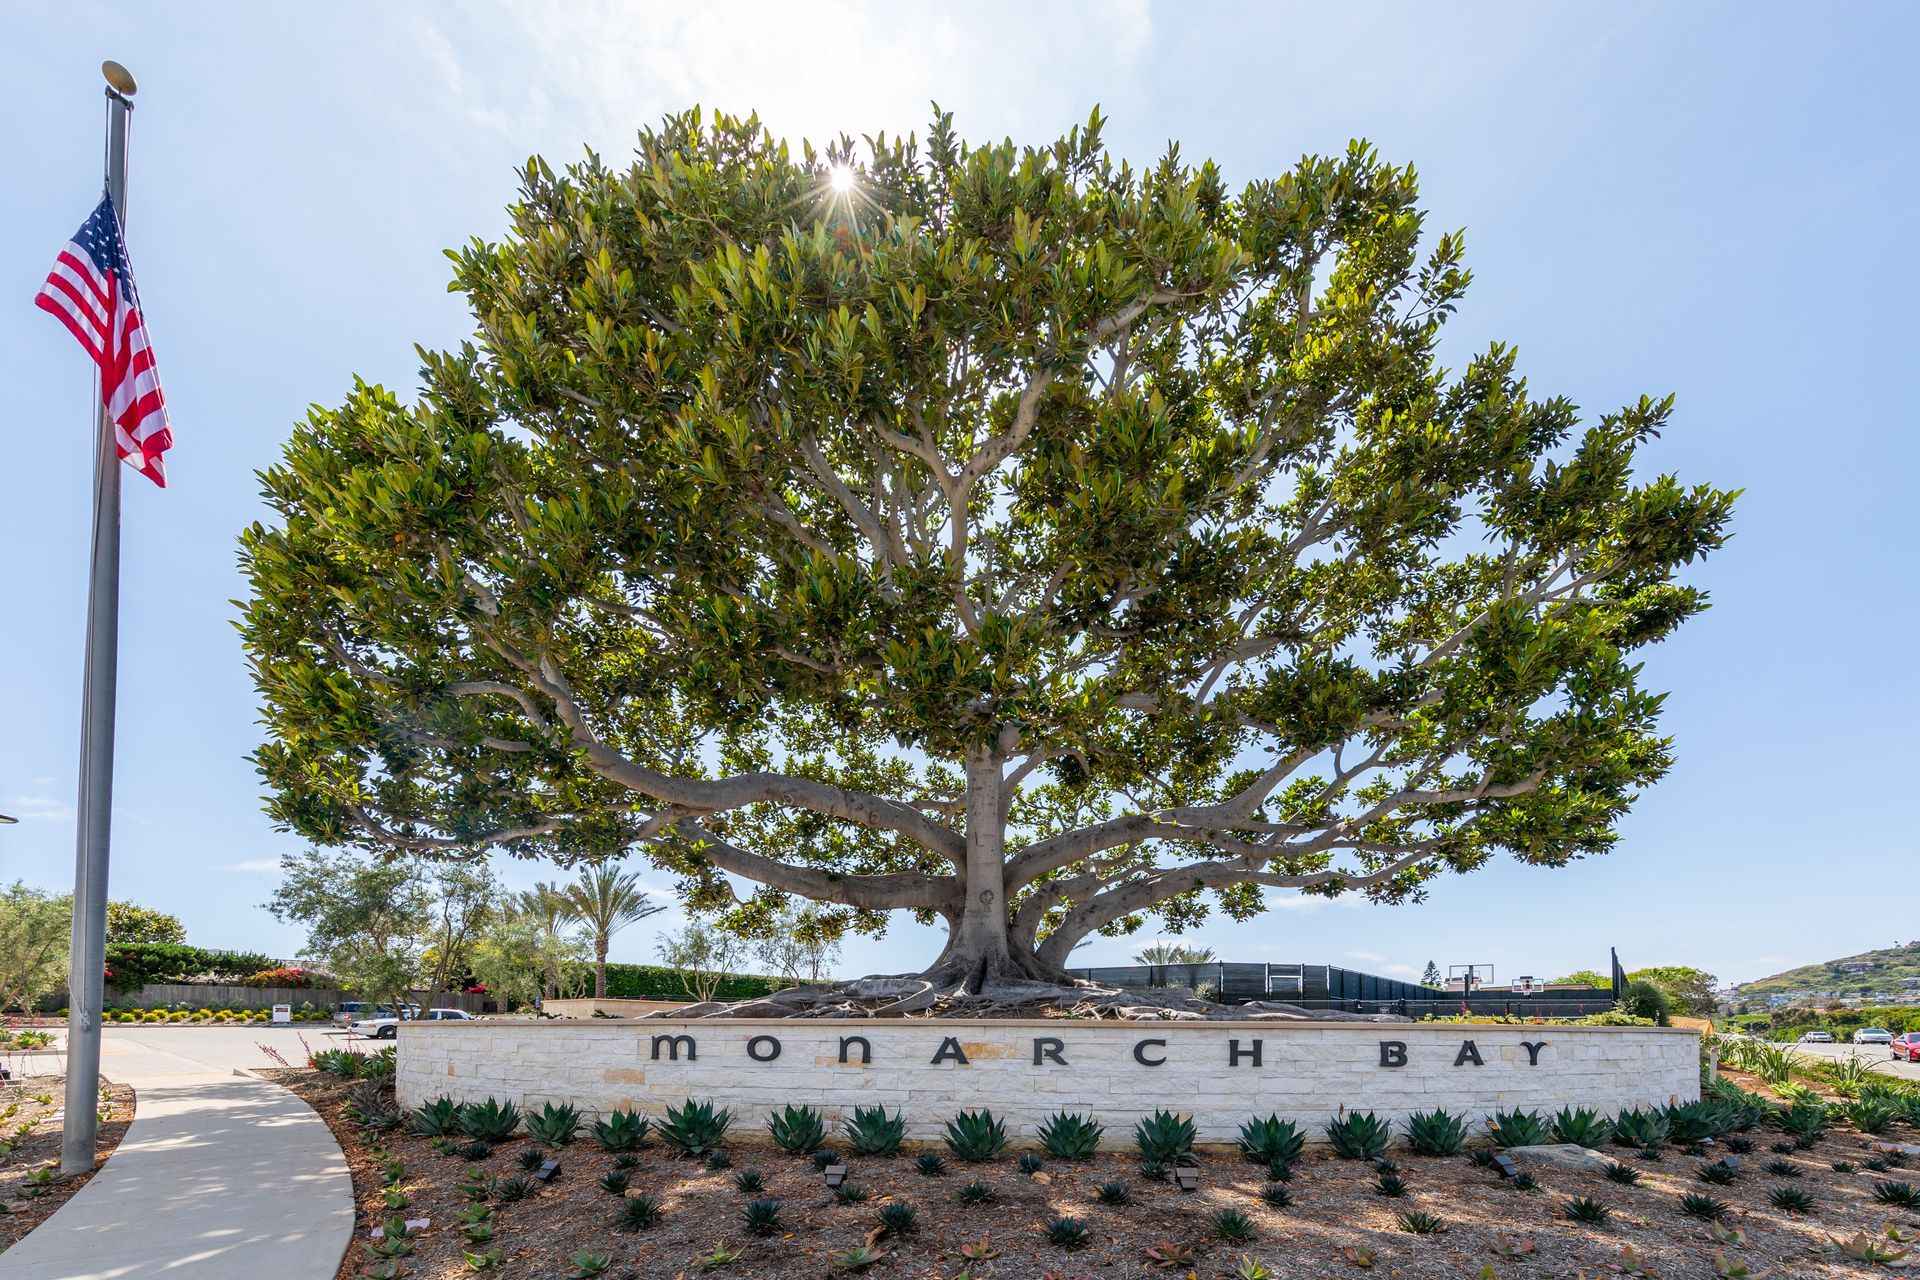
point(119, 78)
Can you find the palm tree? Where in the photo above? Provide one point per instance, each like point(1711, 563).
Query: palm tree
point(551, 910)
point(607, 900)
point(1173, 953)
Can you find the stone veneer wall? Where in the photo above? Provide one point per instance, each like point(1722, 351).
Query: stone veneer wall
point(1026, 1070)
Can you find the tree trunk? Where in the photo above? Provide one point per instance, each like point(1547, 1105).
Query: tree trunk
point(980, 954)
point(600, 967)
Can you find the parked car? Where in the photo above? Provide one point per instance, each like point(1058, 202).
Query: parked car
point(389, 1027)
point(1906, 1046)
point(347, 1011)
point(1872, 1035)
point(1816, 1037)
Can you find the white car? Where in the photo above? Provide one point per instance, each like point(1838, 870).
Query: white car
point(1816, 1037)
point(389, 1027)
point(1872, 1035)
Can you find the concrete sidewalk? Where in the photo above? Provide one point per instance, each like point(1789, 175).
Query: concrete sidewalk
point(220, 1176)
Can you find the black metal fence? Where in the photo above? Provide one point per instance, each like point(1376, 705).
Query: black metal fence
point(1326, 986)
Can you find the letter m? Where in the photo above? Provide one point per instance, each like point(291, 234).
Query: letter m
point(673, 1044)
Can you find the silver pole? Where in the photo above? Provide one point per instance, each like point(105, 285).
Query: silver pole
point(88, 955)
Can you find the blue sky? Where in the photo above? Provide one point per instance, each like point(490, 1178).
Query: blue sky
point(1712, 200)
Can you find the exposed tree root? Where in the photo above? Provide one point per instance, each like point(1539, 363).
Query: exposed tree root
point(943, 996)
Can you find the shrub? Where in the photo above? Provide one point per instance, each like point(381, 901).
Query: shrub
point(1165, 1138)
point(1643, 999)
point(1359, 1135)
point(1070, 1137)
point(1068, 1233)
point(490, 1120)
point(1517, 1129)
point(797, 1130)
point(975, 1136)
point(1582, 1128)
point(695, 1128)
point(871, 1132)
point(621, 1131)
point(555, 1126)
point(1436, 1133)
point(286, 977)
point(1271, 1139)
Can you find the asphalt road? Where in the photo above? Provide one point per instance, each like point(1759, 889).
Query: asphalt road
point(1876, 1055)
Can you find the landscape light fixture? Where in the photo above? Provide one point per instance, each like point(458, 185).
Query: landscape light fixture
point(548, 1171)
point(1503, 1163)
point(1186, 1177)
point(834, 1175)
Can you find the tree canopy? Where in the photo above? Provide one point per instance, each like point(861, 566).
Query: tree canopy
point(1014, 537)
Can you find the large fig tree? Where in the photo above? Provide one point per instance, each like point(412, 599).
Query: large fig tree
point(1004, 535)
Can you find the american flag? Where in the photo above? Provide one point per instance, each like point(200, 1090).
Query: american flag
point(90, 290)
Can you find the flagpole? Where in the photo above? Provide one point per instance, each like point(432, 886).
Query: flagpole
point(88, 953)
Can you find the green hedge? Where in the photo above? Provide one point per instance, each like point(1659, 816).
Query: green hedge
point(652, 982)
point(130, 967)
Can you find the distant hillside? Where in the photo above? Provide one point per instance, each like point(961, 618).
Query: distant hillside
point(1887, 973)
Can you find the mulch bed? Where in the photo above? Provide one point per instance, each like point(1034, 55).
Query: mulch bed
point(1334, 1211)
point(33, 1132)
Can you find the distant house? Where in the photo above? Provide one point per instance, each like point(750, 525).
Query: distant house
point(1859, 966)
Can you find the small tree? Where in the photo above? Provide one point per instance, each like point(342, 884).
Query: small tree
point(606, 900)
point(1585, 978)
point(701, 956)
point(1689, 990)
point(34, 932)
point(368, 918)
point(1026, 540)
point(802, 946)
point(462, 898)
point(1431, 977)
point(520, 957)
point(130, 924)
point(550, 913)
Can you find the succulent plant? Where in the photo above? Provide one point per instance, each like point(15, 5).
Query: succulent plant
point(1636, 1128)
point(751, 1181)
point(1170, 1255)
point(1420, 1224)
point(1390, 1184)
point(718, 1159)
point(1279, 1171)
point(761, 1217)
point(858, 1258)
point(1482, 1158)
point(475, 1151)
point(1153, 1170)
point(626, 1160)
point(1843, 1166)
point(1068, 1136)
point(899, 1218)
point(797, 1130)
point(976, 1136)
point(531, 1160)
point(1719, 1173)
point(1804, 1117)
point(369, 1106)
point(850, 1193)
point(1695, 1205)
point(614, 1184)
point(1232, 1226)
point(1649, 1153)
point(587, 1264)
point(1581, 1127)
point(507, 1190)
point(1871, 1115)
point(1901, 1195)
point(1525, 1182)
point(1790, 1200)
point(871, 1132)
point(823, 1157)
point(695, 1129)
point(1877, 1164)
point(1359, 1135)
point(435, 1119)
point(1436, 1133)
point(1739, 1146)
point(1783, 1168)
point(553, 1124)
point(930, 1164)
point(490, 1121)
point(1277, 1195)
point(1068, 1233)
point(1624, 1174)
point(1264, 1141)
point(1783, 1148)
point(1113, 1193)
point(1692, 1122)
point(1165, 1138)
point(621, 1131)
point(975, 1193)
point(1518, 1129)
point(1588, 1210)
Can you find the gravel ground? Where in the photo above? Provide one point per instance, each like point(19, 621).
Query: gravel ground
point(1335, 1223)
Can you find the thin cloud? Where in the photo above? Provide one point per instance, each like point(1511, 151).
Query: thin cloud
point(37, 808)
point(251, 864)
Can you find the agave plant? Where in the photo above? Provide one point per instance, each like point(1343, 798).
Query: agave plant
point(1588, 1210)
point(695, 1129)
point(1719, 1173)
point(976, 1136)
point(1582, 1128)
point(1067, 1136)
point(1420, 1224)
point(899, 1218)
point(1114, 1193)
point(489, 1121)
point(1636, 1128)
point(797, 1130)
point(1030, 1163)
point(1692, 1122)
point(1068, 1233)
point(508, 1190)
point(1436, 1133)
point(858, 1258)
point(1870, 1115)
point(762, 1217)
point(1232, 1226)
point(750, 1181)
point(823, 1159)
point(871, 1132)
point(368, 1106)
point(1276, 1195)
point(975, 1193)
point(1804, 1118)
point(1265, 1141)
point(613, 1183)
point(930, 1164)
point(621, 1131)
point(1360, 1135)
point(1901, 1195)
point(552, 1125)
point(850, 1193)
point(1783, 1169)
point(1695, 1205)
point(1790, 1200)
point(1165, 1138)
point(1389, 1183)
point(1518, 1129)
point(1624, 1174)
point(436, 1119)
point(531, 1160)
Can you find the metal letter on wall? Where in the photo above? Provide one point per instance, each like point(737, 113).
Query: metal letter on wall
point(673, 1044)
